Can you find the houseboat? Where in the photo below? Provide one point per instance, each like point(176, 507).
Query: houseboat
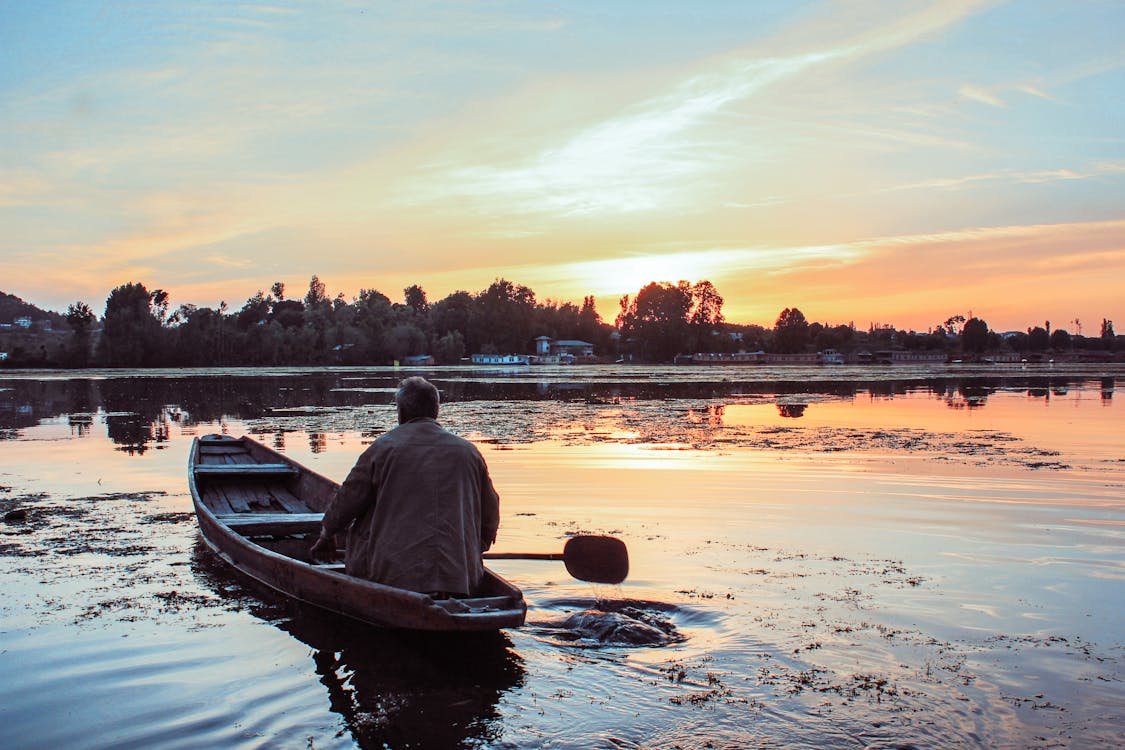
point(499, 359)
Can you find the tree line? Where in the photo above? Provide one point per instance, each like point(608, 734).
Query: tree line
point(140, 328)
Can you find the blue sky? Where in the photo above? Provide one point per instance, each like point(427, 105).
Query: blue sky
point(870, 161)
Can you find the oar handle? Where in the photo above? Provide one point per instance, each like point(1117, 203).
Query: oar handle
point(523, 556)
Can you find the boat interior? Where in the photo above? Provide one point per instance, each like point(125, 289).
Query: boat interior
point(259, 496)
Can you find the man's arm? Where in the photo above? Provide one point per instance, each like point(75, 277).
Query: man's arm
point(489, 510)
point(354, 497)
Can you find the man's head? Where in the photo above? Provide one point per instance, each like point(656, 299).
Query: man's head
point(416, 397)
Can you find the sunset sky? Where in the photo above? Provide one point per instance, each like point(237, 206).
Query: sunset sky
point(894, 162)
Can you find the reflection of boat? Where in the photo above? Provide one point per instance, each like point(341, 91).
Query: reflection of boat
point(260, 511)
point(392, 688)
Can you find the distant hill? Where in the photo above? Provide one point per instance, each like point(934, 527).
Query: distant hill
point(12, 307)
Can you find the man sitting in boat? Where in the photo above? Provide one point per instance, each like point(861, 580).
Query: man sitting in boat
point(420, 504)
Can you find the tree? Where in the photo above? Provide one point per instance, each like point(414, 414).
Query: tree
point(791, 331)
point(454, 313)
point(1038, 339)
point(656, 320)
point(255, 312)
point(591, 327)
point(415, 297)
point(504, 316)
point(557, 319)
point(317, 294)
point(289, 313)
point(1107, 330)
point(202, 338)
point(974, 336)
point(449, 349)
point(405, 339)
point(838, 337)
point(707, 305)
point(278, 290)
point(952, 324)
point(131, 326)
point(372, 316)
point(1060, 339)
point(81, 319)
point(706, 318)
point(158, 304)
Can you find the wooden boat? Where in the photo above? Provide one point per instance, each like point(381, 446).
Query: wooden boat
point(260, 511)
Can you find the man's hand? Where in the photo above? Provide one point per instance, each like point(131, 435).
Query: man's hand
point(325, 548)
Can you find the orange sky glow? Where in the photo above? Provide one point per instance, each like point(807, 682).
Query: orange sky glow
point(886, 162)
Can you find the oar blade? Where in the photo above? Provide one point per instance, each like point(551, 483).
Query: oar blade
point(599, 559)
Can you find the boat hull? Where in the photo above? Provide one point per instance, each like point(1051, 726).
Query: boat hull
point(258, 513)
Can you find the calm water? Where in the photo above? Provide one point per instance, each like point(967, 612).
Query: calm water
point(854, 558)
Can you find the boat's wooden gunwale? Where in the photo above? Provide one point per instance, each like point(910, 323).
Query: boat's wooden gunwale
point(357, 598)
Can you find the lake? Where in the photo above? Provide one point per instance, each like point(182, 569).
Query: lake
point(847, 558)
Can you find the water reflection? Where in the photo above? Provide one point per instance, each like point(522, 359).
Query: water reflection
point(791, 411)
point(392, 688)
point(140, 410)
point(80, 424)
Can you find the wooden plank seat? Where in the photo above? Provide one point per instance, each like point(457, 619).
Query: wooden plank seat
point(245, 470)
point(272, 524)
point(222, 450)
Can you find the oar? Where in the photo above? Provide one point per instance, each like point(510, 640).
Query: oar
point(600, 559)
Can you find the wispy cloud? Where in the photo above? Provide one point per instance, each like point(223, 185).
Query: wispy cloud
point(1035, 90)
point(636, 161)
point(1012, 177)
point(979, 94)
point(1004, 273)
point(653, 154)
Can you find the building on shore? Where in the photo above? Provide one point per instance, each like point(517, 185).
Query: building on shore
point(726, 358)
point(905, 357)
point(499, 359)
point(790, 359)
point(549, 351)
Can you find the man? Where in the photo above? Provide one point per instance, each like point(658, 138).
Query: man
point(421, 505)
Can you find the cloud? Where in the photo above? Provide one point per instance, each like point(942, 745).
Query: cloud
point(1045, 270)
point(656, 153)
point(1035, 90)
point(1012, 177)
point(978, 94)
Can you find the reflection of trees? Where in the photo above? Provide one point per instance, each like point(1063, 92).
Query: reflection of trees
point(140, 410)
point(133, 432)
point(711, 415)
point(967, 394)
point(136, 413)
point(966, 402)
point(792, 411)
point(392, 688)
